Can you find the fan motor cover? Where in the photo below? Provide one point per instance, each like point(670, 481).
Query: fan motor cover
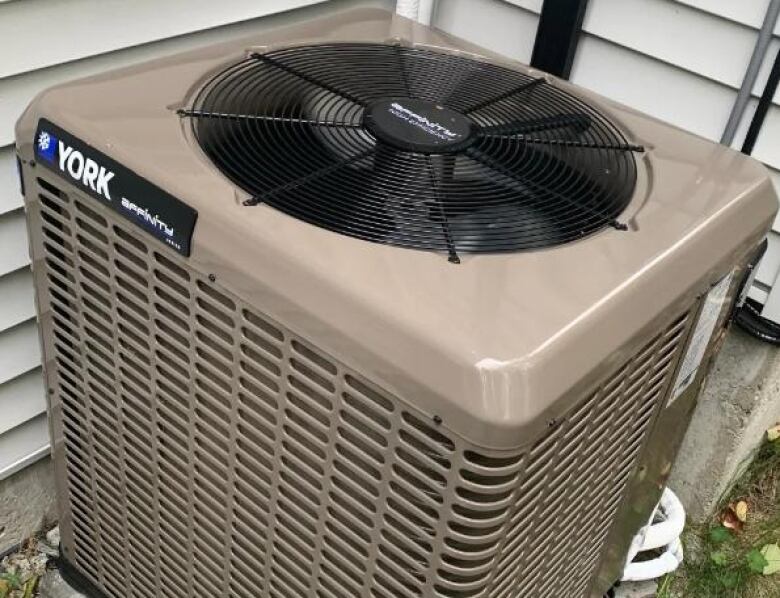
point(355, 308)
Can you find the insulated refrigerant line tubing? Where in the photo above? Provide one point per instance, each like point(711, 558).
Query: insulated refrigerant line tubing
point(763, 107)
point(751, 74)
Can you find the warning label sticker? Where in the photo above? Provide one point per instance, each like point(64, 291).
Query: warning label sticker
point(700, 339)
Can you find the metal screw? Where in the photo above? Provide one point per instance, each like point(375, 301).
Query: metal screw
point(619, 225)
point(32, 163)
point(212, 277)
point(437, 420)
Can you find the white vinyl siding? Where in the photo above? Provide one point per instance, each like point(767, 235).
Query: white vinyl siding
point(15, 412)
point(57, 31)
point(14, 253)
point(51, 41)
point(746, 12)
point(508, 29)
point(24, 444)
point(10, 198)
point(682, 61)
point(16, 291)
point(20, 351)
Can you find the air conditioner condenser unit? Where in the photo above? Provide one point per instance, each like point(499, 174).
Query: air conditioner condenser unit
point(356, 309)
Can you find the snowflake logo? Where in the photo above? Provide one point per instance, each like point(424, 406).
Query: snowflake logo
point(46, 146)
point(44, 141)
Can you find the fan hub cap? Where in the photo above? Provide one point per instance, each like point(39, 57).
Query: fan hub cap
point(419, 126)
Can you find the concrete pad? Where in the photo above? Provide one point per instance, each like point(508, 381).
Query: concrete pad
point(53, 586)
point(740, 401)
point(27, 504)
point(641, 589)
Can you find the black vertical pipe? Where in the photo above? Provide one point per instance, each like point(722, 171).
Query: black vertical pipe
point(763, 107)
point(560, 25)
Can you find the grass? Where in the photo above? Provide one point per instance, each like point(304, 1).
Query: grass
point(723, 563)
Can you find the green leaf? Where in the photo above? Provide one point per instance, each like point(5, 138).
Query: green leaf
point(756, 561)
point(771, 554)
point(720, 534)
point(13, 580)
point(719, 558)
point(728, 579)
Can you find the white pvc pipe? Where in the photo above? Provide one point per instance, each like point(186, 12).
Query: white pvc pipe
point(408, 8)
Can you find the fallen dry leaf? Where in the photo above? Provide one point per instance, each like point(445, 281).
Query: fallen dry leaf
point(730, 520)
point(773, 433)
point(741, 511)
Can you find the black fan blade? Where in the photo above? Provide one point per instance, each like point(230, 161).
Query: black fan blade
point(561, 123)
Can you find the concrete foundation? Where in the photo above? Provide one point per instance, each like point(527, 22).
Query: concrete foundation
point(740, 401)
point(640, 589)
point(53, 586)
point(27, 504)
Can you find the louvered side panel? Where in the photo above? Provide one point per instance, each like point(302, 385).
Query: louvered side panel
point(576, 476)
point(210, 451)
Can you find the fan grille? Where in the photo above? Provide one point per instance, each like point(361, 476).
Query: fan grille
point(415, 148)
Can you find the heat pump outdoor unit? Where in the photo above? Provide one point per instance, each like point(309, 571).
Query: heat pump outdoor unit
point(356, 309)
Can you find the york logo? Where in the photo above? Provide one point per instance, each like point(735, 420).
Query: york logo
point(73, 162)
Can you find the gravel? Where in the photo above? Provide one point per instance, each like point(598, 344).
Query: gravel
point(30, 571)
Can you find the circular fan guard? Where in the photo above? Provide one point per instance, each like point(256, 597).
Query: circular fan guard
point(415, 148)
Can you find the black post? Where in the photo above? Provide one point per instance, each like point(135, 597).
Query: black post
point(560, 25)
point(763, 107)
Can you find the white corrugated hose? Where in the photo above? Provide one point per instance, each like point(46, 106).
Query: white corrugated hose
point(664, 530)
